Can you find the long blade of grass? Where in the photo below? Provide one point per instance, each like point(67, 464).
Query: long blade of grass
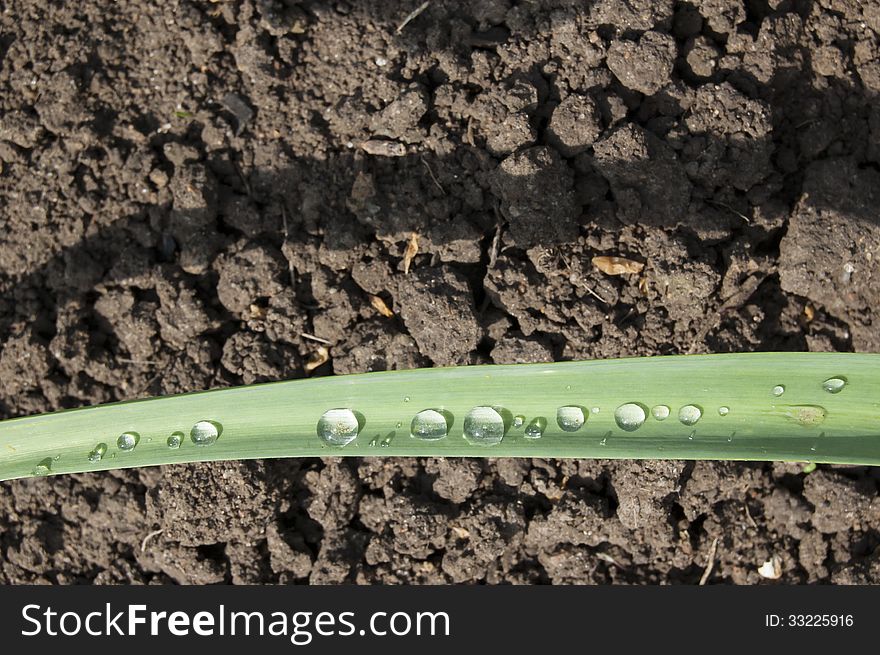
point(761, 406)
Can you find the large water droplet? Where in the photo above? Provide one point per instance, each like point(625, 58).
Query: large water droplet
point(778, 390)
point(43, 468)
point(175, 440)
point(535, 428)
point(834, 385)
point(630, 416)
point(127, 441)
point(806, 415)
point(483, 426)
point(98, 453)
point(204, 433)
point(660, 412)
point(429, 424)
point(570, 418)
point(338, 427)
point(689, 414)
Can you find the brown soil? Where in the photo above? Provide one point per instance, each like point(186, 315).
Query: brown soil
point(188, 187)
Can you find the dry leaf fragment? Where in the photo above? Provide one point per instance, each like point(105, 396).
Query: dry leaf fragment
point(321, 355)
point(412, 249)
point(382, 148)
point(617, 265)
point(380, 306)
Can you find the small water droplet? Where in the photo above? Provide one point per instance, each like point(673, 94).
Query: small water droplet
point(56, 458)
point(689, 414)
point(723, 411)
point(778, 390)
point(535, 428)
point(338, 427)
point(518, 421)
point(429, 424)
point(483, 426)
point(568, 387)
point(406, 399)
point(386, 441)
point(595, 410)
point(692, 435)
point(374, 441)
point(630, 416)
point(660, 412)
point(175, 440)
point(43, 468)
point(204, 433)
point(98, 453)
point(399, 424)
point(605, 439)
point(834, 385)
point(813, 448)
point(127, 441)
point(570, 418)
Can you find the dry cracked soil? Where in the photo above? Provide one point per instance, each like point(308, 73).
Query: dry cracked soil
point(188, 187)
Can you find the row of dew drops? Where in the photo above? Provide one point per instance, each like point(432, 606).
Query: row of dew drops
point(485, 425)
point(203, 433)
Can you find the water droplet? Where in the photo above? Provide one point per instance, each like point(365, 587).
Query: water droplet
point(127, 441)
point(175, 440)
point(689, 414)
point(605, 439)
point(535, 429)
point(806, 415)
point(568, 387)
point(692, 435)
point(406, 399)
point(338, 427)
point(386, 441)
point(570, 418)
point(98, 453)
point(483, 426)
point(518, 421)
point(834, 385)
point(43, 468)
point(723, 411)
point(630, 416)
point(660, 412)
point(429, 424)
point(374, 441)
point(204, 433)
point(399, 424)
point(594, 410)
point(778, 390)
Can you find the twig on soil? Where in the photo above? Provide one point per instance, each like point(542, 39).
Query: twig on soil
point(749, 515)
point(433, 177)
point(290, 267)
point(496, 246)
point(730, 209)
point(711, 563)
point(605, 557)
point(154, 533)
point(413, 15)
point(305, 335)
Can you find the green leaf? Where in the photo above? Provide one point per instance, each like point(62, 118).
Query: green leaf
point(720, 407)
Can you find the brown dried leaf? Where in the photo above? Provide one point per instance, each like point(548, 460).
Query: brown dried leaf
point(380, 306)
point(412, 249)
point(321, 355)
point(617, 265)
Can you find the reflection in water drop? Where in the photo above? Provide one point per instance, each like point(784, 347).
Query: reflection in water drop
point(723, 411)
point(630, 416)
point(98, 453)
point(570, 418)
point(689, 414)
point(660, 412)
point(483, 426)
point(175, 440)
point(204, 433)
point(535, 428)
point(834, 385)
point(778, 390)
point(127, 441)
point(429, 424)
point(338, 427)
point(43, 468)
